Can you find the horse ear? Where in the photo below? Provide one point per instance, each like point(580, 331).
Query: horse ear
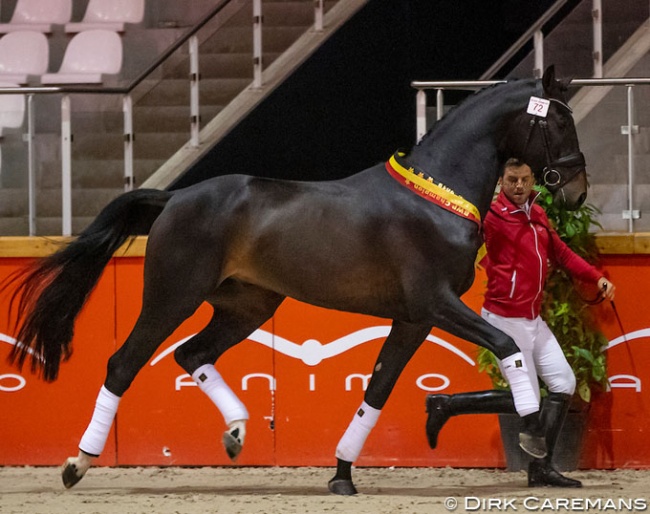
point(553, 85)
point(548, 79)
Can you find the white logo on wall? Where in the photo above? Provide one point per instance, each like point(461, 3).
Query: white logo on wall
point(623, 381)
point(312, 352)
point(10, 382)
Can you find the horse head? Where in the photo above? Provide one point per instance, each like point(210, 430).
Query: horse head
point(544, 136)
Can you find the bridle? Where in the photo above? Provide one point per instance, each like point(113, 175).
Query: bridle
point(552, 178)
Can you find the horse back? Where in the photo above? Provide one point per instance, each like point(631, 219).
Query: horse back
point(361, 244)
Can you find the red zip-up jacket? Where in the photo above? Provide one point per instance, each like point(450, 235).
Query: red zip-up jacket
point(519, 246)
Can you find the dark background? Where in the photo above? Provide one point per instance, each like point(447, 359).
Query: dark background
point(351, 105)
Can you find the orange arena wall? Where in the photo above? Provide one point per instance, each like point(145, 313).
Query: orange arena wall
point(302, 376)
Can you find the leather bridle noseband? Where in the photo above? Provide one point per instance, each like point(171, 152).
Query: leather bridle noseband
point(553, 179)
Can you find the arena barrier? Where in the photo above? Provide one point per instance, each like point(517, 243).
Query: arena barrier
point(302, 376)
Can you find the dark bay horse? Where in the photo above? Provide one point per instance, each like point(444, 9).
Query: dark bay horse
point(397, 240)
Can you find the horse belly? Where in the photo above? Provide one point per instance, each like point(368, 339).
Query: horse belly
point(327, 278)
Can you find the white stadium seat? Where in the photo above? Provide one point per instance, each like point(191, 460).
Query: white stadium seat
point(12, 109)
point(89, 55)
point(23, 53)
point(38, 15)
point(109, 15)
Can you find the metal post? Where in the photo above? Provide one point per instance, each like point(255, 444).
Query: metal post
point(195, 116)
point(440, 104)
point(630, 157)
point(31, 167)
point(66, 167)
point(538, 42)
point(597, 14)
point(257, 43)
point(127, 109)
point(420, 113)
point(318, 15)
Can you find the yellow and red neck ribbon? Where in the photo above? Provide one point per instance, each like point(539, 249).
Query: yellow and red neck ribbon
point(425, 186)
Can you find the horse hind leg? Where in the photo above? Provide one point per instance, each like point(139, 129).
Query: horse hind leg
point(157, 320)
point(178, 278)
point(74, 468)
point(93, 440)
point(123, 366)
point(233, 410)
point(239, 309)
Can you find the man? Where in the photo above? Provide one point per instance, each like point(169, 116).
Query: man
point(519, 242)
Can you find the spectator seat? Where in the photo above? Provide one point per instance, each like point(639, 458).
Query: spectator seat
point(38, 15)
point(109, 15)
point(12, 109)
point(89, 55)
point(23, 53)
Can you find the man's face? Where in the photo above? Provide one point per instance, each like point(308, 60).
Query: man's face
point(517, 183)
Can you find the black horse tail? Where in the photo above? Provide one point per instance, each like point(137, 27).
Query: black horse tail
point(51, 293)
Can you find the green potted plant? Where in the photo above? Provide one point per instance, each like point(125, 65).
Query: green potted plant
point(566, 310)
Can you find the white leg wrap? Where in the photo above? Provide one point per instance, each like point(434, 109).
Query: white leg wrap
point(214, 386)
point(516, 373)
point(94, 439)
point(355, 436)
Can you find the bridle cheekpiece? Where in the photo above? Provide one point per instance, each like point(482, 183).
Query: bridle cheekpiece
point(552, 178)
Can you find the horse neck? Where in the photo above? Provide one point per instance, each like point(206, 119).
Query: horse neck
point(462, 149)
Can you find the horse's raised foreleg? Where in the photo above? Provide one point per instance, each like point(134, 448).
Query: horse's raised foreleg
point(400, 345)
point(459, 320)
point(239, 309)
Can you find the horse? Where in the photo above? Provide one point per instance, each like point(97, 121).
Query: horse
point(397, 240)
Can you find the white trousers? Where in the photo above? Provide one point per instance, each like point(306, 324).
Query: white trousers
point(542, 353)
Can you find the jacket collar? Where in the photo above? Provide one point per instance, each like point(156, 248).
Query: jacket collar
point(504, 205)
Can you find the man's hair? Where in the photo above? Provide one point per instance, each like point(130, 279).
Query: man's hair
point(513, 162)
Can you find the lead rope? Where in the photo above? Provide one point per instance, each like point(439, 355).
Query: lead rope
point(618, 320)
point(623, 334)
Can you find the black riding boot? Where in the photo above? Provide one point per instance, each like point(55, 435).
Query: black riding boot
point(540, 471)
point(442, 406)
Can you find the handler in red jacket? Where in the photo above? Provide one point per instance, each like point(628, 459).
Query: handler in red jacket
point(520, 242)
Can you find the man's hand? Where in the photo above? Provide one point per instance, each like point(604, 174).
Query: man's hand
point(606, 288)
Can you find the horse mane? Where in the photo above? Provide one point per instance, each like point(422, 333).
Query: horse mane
point(453, 110)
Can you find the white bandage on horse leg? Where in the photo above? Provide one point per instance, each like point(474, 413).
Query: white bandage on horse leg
point(94, 439)
point(214, 386)
point(516, 373)
point(355, 436)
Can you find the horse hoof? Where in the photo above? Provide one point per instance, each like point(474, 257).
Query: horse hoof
point(533, 445)
point(342, 487)
point(70, 474)
point(232, 445)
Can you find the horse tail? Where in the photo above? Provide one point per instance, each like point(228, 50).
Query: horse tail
point(51, 292)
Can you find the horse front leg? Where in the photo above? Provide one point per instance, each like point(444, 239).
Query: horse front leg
point(400, 345)
point(459, 320)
